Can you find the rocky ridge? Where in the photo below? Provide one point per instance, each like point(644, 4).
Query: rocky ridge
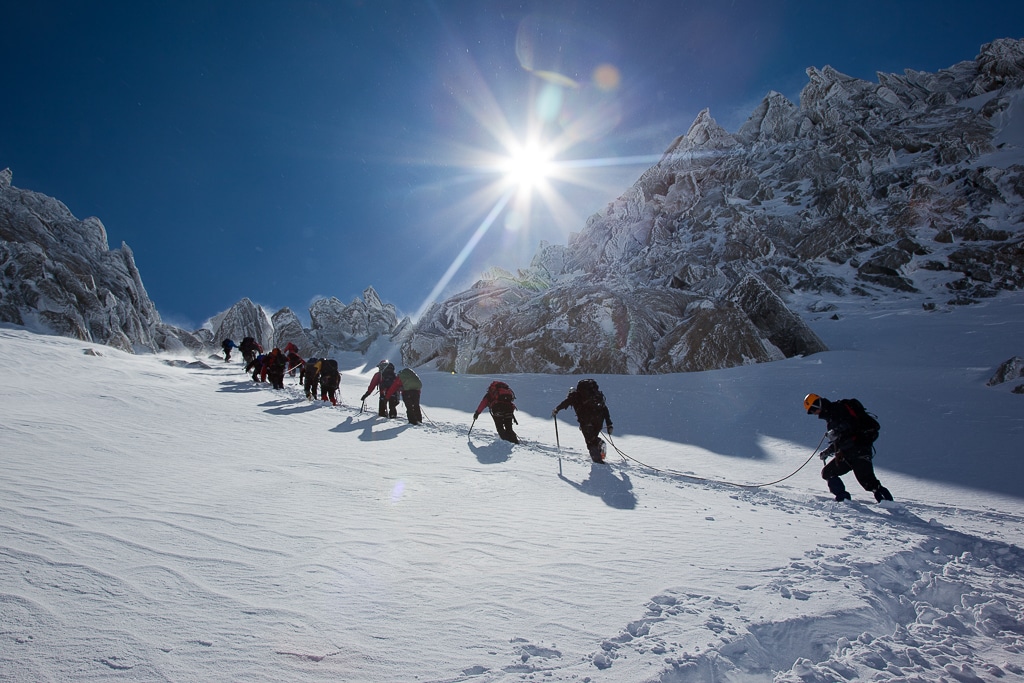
point(334, 326)
point(911, 186)
point(58, 275)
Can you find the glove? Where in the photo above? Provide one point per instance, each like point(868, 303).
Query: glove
point(363, 397)
point(476, 415)
point(823, 455)
point(832, 435)
point(609, 430)
point(554, 412)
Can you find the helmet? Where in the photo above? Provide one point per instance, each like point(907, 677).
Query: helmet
point(812, 402)
point(383, 364)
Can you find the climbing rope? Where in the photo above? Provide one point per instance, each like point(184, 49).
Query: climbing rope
point(714, 481)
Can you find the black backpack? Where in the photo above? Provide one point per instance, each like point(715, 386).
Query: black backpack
point(588, 395)
point(328, 367)
point(310, 370)
point(867, 424)
point(387, 375)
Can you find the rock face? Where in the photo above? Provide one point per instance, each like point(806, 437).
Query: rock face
point(57, 275)
point(244, 319)
point(910, 187)
point(334, 326)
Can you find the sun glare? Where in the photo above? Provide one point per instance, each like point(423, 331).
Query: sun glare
point(528, 166)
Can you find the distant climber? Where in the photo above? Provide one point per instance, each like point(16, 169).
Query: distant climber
point(273, 368)
point(408, 383)
point(382, 380)
point(330, 380)
point(500, 399)
point(311, 377)
point(227, 345)
point(591, 412)
point(250, 348)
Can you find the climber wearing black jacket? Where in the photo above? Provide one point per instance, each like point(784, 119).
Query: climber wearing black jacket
point(852, 432)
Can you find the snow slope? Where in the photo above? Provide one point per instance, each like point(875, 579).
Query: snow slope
point(166, 521)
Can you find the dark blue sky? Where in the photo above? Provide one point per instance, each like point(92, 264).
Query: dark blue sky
point(285, 151)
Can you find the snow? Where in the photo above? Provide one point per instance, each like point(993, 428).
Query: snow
point(178, 522)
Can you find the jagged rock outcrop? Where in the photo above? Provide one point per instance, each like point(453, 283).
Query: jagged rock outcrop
point(906, 187)
point(334, 326)
point(1008, 371)
point(288, 328)
point(354, 327)
point(58, 275)
point(244, 319)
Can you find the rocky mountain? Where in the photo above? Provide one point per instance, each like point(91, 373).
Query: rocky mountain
point(58, 275)
point(334, 326)
point(911, 187)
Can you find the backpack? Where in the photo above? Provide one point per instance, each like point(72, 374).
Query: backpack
point(502, 397)
point(310, 369)
point(867, 424)
point(410, 380)
point(387, 375)
point(328, 367)
point(588, 394)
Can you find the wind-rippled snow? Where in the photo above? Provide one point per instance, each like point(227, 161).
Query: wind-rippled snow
point(176, 521)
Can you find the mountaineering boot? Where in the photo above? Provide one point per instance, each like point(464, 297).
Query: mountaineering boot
point(838, 489)
point(882, 493)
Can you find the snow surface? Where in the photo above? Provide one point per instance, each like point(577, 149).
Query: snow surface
point(180, 523)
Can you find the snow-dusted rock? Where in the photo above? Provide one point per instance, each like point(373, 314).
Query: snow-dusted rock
point(897, 188)
point(354, 327)
point(244, 319)
point(288, 328)
point(57, 275)
point(1008, 371)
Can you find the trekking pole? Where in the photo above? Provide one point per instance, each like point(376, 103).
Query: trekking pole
point(557, 443)
point(361, 407)
point(471, 427)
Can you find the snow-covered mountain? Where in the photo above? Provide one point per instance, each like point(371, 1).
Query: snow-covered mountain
point(911, 187)
point(58, 275)
point(334, 327)
point(908, 188)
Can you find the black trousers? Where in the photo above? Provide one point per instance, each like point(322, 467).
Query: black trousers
point(503, 423)
point(411, 399)
point(388, 407)
point(860, 466)
point(590, 435)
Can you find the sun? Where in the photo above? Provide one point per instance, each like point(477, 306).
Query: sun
point(528, 166)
